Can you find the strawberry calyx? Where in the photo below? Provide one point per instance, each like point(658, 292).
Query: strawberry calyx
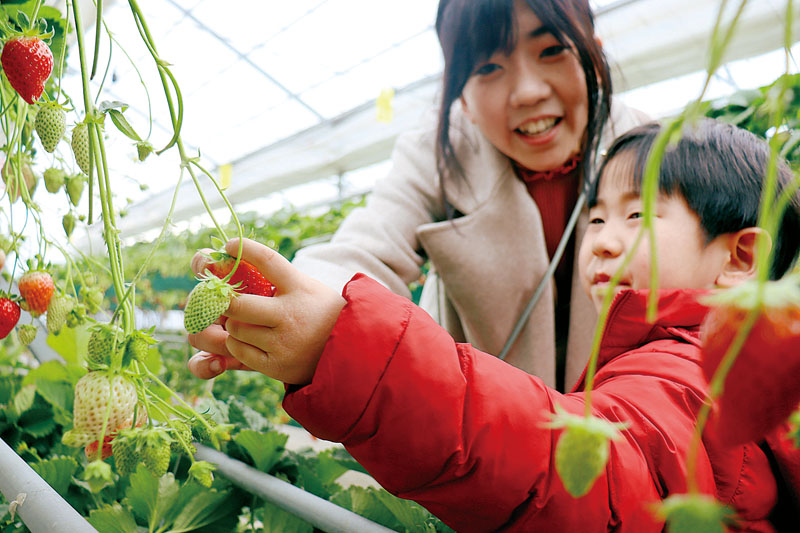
point(779, 294)
point(562, 419)
point(693, 512)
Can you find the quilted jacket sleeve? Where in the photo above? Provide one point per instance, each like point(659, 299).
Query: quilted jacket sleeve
point(454, 429)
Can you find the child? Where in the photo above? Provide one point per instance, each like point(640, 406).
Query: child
point(465, 434)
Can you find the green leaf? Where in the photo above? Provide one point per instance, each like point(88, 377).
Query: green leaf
point(57, 471)
point(205, 507)
point(71, 343)
point(365, 502)
point(37, 422)
point(241, 414)
point(149, 497)
point(276, 520)
point(57, 393)
point(8, 388)
point(113, 519)
point(107, 105)
point(23, 400)
point(123, 125)
point(264, 448)
point(411, 515)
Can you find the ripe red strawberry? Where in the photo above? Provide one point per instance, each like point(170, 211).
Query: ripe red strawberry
point(250, 280)
point(9, 316)
point(36, 288)
point(91, 449)
point(582, 450)
point(27, 62)
point(760, 390)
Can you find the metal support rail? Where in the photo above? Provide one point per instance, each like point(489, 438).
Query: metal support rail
point(38, 505)
point(317, 511)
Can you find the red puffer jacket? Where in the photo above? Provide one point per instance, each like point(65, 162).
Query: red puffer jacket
point(463, 433)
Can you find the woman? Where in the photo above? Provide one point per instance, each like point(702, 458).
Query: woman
point(486, 193)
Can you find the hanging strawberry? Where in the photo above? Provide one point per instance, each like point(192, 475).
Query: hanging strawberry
point(50, 125)
point(760, 390)
point(36, 287)
point(27, 62)
point(246, 280)
point(207, 301)
point(9, 316)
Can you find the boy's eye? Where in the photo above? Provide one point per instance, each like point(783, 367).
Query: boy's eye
point(554, 50)
point(486, 69)
point(636, 214)
point(596, 220)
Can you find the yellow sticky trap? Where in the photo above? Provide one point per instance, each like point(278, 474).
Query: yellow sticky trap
point(383, 106)
point(225, 176)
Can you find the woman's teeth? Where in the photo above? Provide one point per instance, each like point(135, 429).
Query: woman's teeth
point(537, 126)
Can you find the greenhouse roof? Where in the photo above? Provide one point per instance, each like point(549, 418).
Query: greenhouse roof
point(283, 93)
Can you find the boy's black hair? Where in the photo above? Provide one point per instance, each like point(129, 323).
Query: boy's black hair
point(719, 169)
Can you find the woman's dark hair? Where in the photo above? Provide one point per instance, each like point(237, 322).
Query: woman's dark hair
point(471, 31)
point(719, 169)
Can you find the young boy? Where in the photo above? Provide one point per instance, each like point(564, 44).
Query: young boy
point(465, 434)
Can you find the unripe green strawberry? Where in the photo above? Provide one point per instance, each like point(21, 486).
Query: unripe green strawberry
point(200, 431)
point(202, 472)
point(182, 434)
point(93, 394)
point(126, 454)
point(68, 222)
point(74, 185)
point(105, 340)
point(54, 179)
point(154, 445)
point(26, 333)
point(93, 298)
point(50, 124)
point(57, 312)
point(137, 346)
point(80, 146)
point(582, 450)
point(207, 301)
point(694, 513)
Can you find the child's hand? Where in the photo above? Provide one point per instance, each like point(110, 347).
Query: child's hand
point(281, 336)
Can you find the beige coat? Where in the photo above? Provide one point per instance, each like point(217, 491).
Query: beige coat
point(485, 264)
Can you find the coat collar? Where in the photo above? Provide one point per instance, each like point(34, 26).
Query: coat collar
point(679, 315)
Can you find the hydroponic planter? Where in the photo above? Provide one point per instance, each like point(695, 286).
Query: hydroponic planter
point(316, 511)
point(41, 508)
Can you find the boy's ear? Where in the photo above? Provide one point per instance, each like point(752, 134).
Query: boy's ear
point(465, 108)
point(743, 255)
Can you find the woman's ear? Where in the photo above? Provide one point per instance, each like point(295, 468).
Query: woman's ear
point(744, 248)
point(465, 108)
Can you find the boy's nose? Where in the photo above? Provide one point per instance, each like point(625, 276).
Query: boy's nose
point(607, 244)
point(530, 87)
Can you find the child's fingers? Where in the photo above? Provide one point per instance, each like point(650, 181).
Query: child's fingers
point(200, 260)
point(254, 309)
point(208, 365)
point(211, 339)
point(276, 268)
point(251, 357)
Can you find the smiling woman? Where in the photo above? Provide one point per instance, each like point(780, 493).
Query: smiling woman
point(486, 190)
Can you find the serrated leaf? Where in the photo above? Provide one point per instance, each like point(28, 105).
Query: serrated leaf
point(411, 515)
point(204, 507)
point(276, 520)
point(241, 414)
point(23, 399)
point(57, 472)
point(57, 393)
point(37, 422)
point(123, 125)
point(149, 497)
point(265, 449)
point(113, 519)
point(365, 502)
point(8, 388)
point(71, 343)
point(107, 105)
point(343, 457)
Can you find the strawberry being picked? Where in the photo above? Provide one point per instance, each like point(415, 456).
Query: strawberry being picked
point(27, 62)
point(761, 389)
point(246, 280)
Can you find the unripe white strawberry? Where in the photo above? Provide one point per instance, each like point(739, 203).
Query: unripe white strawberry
point(80, 146)
point(57, 312)
point(207, 301)
point(50, 124)
point(93, 392)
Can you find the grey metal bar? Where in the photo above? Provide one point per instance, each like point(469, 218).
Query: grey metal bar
point(319, 512)
point(41, 508)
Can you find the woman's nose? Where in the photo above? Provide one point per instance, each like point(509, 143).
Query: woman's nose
point(530, 87)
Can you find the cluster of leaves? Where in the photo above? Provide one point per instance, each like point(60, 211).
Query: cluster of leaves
point(35, 411)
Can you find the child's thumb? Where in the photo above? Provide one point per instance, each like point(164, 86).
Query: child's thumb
point(276, 268)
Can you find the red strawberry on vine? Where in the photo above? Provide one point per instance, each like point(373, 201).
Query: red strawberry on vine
point(582, 450)
point(9, 316)
point(761, 389)
point(246, 280)
point(36, 288)
point(27, 62)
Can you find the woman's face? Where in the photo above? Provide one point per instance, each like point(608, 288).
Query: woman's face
point(530, 104)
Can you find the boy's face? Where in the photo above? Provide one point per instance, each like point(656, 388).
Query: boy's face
point(684, 258)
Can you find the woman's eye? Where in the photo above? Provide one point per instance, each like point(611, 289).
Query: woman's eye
point(552, 51)
point(486, 69)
